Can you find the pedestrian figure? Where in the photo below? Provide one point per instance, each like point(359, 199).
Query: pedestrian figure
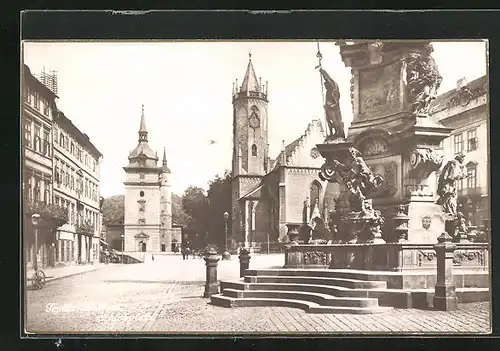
point(152, 257)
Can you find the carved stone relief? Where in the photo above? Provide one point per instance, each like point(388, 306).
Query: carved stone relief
point(373, 146)
point(388, 171)
point(379, 91)
point(315, 257)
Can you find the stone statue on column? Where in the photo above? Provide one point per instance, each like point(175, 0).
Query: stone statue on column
point(332, 107)
point(452, 172)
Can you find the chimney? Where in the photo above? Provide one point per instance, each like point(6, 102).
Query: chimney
point(461, 83)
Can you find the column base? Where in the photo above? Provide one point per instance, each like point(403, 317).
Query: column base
point(445, 298)
point(211, 289)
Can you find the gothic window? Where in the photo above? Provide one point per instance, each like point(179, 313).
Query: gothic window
point(314, 193)
point(254, 150)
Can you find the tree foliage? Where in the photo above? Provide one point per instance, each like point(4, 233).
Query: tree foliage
point(113, 209)
point(195, 205)
point(219, 195)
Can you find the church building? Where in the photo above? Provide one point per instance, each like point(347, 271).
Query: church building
point(268, 193)
point(148, 200)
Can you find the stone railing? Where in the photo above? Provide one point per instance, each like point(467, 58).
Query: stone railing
point(383, 257)
point(46, 211)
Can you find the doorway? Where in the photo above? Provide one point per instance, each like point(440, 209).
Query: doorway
point(163, 247)
point(142, 246)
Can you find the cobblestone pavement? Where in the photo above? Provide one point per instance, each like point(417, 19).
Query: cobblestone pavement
point(164, 296)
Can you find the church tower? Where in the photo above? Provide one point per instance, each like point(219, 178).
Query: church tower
point(142, 196)
point(250, 143)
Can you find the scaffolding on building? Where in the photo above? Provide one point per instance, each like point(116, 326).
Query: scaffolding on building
point(49, 79)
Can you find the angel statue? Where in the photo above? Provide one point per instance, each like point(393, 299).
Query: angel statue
point(453, 171)
point(332, 107)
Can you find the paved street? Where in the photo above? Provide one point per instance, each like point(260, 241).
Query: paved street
point(164, 296)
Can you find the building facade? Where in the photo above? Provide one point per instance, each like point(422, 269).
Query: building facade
point(60, 180)
point(465, 110)
point(269, 193)
point(38, 112)
point(77, 189)
point(148, 200)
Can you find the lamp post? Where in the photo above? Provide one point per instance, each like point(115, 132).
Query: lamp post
point(123, 245)
point(35, 220)
point(226, 255)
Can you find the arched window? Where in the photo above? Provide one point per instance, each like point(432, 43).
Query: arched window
point(314, 193)
point(254, 150)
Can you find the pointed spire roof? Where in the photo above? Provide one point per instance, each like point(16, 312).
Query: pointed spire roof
point(143, 133)
point(164, 161)
point(250, 81)
point(142, 151)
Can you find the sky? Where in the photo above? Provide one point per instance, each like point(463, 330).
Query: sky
point(186, 91)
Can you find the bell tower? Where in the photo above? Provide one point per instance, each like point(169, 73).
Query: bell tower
point(250, 143)
point(250, 140)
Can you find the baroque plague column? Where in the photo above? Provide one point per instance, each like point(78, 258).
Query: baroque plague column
point(392, 86)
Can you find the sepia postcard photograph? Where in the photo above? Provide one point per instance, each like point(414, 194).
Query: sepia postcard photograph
point(209, 187)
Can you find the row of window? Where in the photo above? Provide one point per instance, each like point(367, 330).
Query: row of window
point(66, 176)
point(470, 144)
point(33, 99)
point(77, 151)
point(37, 137)
point(37, 189)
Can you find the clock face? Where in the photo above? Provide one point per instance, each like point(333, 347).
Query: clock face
point(254, 121)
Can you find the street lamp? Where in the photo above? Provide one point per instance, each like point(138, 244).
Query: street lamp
point(35, 220)
point(123, 244)
point(226, 255)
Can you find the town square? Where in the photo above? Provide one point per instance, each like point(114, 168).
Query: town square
point(169, 188)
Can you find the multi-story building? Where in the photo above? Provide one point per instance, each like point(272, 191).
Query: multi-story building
point(465, 109)
point(76, 188)
point(38, 111)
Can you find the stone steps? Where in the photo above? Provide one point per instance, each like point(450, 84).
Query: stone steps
point(319, 298)
point(341, 282)
point(308, 306)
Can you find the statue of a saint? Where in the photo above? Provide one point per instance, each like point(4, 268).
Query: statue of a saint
point(423, 80)
point(452, 172)
point(332, 107)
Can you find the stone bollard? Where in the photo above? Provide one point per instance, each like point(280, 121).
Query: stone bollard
point(244, 261)
point(445, 297)
point(211, 285)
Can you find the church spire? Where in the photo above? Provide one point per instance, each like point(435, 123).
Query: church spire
point(164, 161)
point(250, 81)
point(143, 133)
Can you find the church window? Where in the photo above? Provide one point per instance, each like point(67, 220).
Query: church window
point(141, 193)
point(254, 150)
point(314, 193)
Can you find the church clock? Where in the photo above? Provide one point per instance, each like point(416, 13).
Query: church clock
point(254, 120)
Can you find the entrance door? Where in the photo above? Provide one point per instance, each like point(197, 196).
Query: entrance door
point(143, 245)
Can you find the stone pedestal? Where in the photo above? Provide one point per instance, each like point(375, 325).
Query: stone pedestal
point(244, 261)
point(445, 297)
point(211, 284)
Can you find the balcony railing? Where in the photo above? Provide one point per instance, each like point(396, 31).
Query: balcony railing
point(46, 211)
